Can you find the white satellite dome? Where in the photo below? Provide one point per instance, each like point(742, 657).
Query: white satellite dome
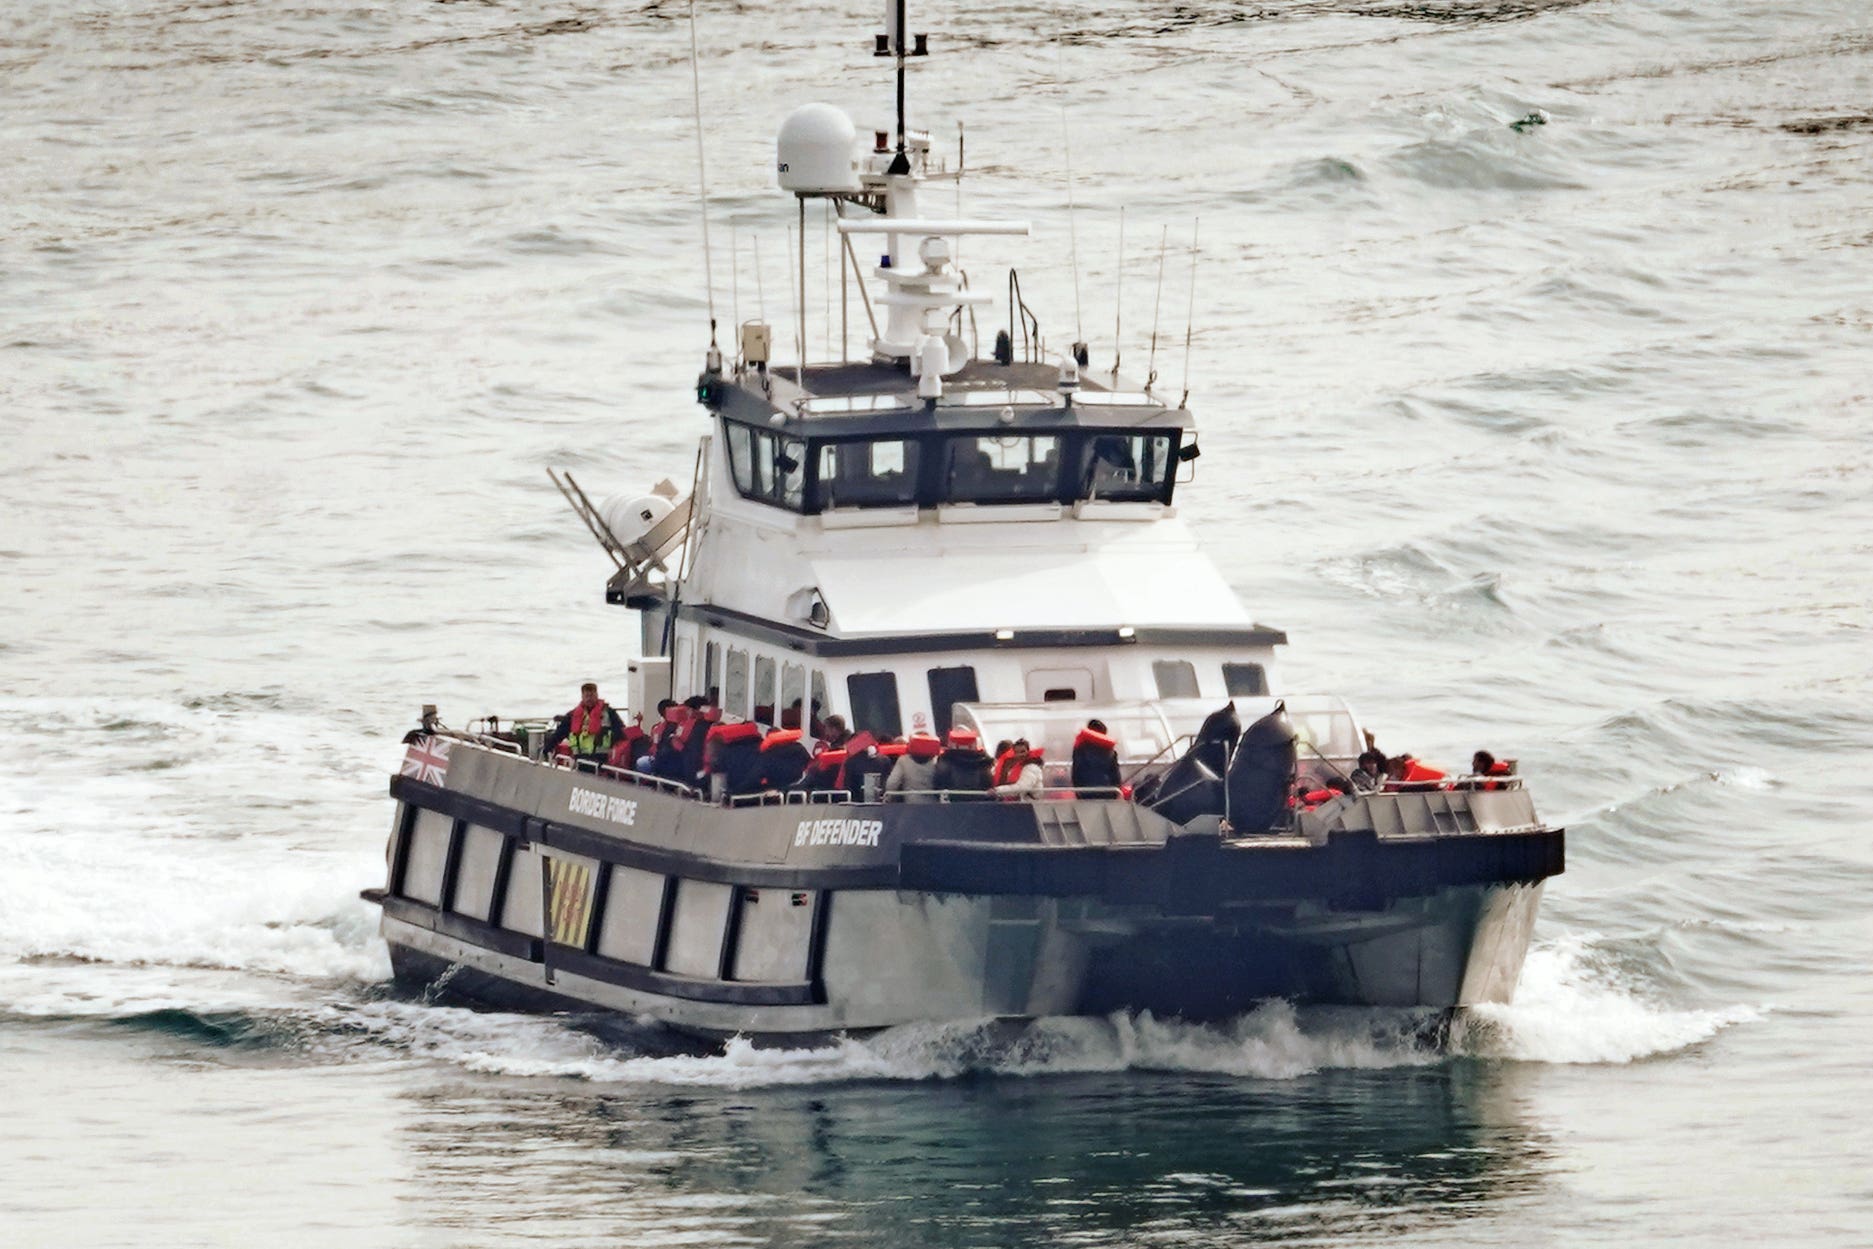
point(815, 150)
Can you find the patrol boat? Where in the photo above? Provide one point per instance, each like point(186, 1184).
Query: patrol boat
point(929, 541)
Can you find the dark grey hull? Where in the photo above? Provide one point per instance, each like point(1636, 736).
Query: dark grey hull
point(800, 921)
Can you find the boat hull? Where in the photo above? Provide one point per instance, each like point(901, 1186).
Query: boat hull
point(518, 883)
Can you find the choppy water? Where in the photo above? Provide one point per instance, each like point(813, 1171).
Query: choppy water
point(1555, 440)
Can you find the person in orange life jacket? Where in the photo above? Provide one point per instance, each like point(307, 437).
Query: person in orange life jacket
point(737, 756)
point(1018, 773)
point(1482, 763)
point(962, 766)
point(590, 729)
point(1095, 758)
point(915, 770)
point(783, 759)
point(1404, 769)
point(1330, 789)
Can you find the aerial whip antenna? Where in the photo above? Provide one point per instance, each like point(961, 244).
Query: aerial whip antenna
point(1118, 300)
point(1190, 315)
point(1157, 309)
point(702, 188)
point(891, 43)
point(1073, 234)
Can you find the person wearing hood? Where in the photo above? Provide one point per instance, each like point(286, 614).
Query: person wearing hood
point(784, 760)
point(914, 773)
point(963, 767)
point(1095, 758)
point(868, 757)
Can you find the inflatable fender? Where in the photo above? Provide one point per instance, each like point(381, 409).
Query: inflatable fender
point(1260, 772)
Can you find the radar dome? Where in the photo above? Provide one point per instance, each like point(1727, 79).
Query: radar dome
point(815, 150)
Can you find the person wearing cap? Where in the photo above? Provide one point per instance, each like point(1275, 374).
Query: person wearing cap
point(963, 767)
point(914, 774)
point(590, 729)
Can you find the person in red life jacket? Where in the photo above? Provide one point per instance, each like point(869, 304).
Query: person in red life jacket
point(1327, 791)
point(667, 760)
point(1095, 758)
point(1482, 763)
point(1404, 769)
point(590, 729)
point(863, 758)
point(914, 773)
point(962, 767)
point(737, 758)
point(696, 741)
point(1018, 773)
point(825, 771)
point(784, 760)
point(633, 744)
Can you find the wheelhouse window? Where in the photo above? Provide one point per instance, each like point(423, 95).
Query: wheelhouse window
point(874, 704)
point(949, 686)
point(874, 473)
point(997, 468)
point(1122, 467)
point(1244, 680)
point(1177, 678)
point(767, 466)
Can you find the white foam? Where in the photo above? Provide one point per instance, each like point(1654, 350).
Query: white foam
point(1572, 1007)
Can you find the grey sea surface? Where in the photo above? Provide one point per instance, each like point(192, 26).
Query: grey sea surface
point(1553, 438)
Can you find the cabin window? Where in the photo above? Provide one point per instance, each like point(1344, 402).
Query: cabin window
point(995, 468)
point(1242, 680)
point(1127, 467)
point(767, 466)
point(712, 672)
point(764, 689)
point(874, 704)
point(881, 473)
point(820, 701)
point(949, 686)
point(735, 700)
point(1177, 678)
point(741, 457)
point(792, 696)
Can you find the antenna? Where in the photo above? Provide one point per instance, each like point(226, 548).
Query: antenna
point(1118, 299)
point(1190, 316)
point(760, 288)
point(1073, 234)
point(734, 277)
point(891, 43)
point(1157, 307)
point(798, 298)
point(702, 185)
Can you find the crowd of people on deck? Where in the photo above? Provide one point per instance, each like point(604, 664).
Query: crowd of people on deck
point(692, 743)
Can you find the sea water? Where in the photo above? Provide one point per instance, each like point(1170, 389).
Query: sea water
point(1529, 346)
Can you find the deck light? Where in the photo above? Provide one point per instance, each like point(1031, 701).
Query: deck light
point(1004, 635)
point(1127, 632)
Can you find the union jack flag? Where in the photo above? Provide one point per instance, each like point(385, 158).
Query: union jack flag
point(427, 759)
